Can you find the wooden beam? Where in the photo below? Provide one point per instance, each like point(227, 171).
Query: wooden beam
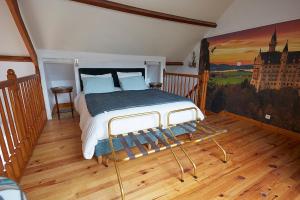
point(15, 12)
point(174, 63)
point(147, 13)
point(15, 58)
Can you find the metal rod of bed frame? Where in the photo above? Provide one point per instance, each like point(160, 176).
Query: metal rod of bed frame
point(115, 159)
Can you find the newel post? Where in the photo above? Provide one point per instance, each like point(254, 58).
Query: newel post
point(203, 81)
point(40, 97)
point(19, 113)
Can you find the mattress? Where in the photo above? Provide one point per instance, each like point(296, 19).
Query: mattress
point(95, 128)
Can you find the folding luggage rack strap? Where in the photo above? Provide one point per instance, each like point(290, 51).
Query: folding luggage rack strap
point(166, 141)
point(204, 130)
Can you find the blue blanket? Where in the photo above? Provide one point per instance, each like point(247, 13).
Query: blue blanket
point(104, 102)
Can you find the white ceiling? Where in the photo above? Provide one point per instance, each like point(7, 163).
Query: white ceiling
point(208, 10)
point(11, 42)
point(72, 26)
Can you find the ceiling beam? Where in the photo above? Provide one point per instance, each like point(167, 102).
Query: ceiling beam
point(15, 58)
point(144, 12)
point(15, 12)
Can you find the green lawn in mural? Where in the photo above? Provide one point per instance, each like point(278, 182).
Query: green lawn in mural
point(230, 77)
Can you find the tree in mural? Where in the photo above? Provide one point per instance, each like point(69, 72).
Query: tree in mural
point(204, 56)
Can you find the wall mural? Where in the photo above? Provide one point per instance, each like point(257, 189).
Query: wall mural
point(256, 73)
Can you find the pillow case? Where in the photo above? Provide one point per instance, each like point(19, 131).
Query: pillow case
point(128, 74)
point(98, 85)
point(116, 89)
point(133, 83)
point(100, 76)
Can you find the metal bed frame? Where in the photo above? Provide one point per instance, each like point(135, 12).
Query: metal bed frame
point(166, 140)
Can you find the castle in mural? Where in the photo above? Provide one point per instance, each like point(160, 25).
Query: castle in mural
point(274, 69)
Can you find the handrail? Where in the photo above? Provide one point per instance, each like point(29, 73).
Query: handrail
point(182, 74)
point(26, 78)
point(6, 83)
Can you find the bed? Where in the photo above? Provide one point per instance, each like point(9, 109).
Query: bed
point(117, 120)
point(94, 127)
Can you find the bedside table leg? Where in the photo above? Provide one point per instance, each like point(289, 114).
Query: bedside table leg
point(57, 107)
point(71, 104)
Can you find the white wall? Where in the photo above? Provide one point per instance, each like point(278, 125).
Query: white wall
point(153, 72)
point(182, 69)
point(59, 74)
point(86, 59)
point(20, 68)
point(245, 14)
point(10, 40)
point(185, 69)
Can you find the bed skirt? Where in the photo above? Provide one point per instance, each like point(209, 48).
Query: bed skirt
point(103, 148)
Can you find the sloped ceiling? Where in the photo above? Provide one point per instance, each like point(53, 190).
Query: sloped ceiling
point(11, 43)
point(72, 26)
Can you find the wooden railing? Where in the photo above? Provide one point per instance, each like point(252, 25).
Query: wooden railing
point(188, 85)
point(22, 119)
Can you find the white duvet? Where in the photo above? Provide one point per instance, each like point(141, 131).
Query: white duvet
point(95, 128)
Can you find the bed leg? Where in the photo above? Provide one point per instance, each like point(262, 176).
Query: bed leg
point(148, 147)
point(99, 159)
point(103, 160)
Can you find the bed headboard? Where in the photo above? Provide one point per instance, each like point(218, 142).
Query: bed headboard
point(113, 71)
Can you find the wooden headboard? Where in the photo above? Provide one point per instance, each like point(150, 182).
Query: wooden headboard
point(113, 71)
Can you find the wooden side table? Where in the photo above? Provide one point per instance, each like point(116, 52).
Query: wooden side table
point(155, 85)
point(61, 90)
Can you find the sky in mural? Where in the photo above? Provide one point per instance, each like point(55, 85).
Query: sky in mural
point(240, 48)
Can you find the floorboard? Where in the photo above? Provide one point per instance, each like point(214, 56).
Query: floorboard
point(262, 165)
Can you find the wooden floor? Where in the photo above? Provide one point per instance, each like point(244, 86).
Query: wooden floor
point(262, 165)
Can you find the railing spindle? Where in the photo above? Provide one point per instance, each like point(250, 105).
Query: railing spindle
point(6, 157)
point(191, 86)
point(16, 159)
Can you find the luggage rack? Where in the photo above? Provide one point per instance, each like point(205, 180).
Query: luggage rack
point(166, 139)
point(197, 130)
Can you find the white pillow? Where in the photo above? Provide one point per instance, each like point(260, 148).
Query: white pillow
point(100, 76)
point(128, 74)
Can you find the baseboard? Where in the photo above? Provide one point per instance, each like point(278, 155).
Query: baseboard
point(263, 125)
